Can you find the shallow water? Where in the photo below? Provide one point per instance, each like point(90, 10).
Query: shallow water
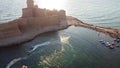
point(75, 47)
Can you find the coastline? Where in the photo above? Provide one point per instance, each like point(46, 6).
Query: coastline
point(31, 33)
point(111, 32)
point(35, 20)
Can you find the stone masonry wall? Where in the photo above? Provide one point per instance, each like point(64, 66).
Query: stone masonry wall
point(27, 12)
point(25, 23)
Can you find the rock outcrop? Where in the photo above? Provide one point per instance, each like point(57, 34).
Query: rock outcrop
point(33, 21)
point(111, 32)
point(9, 30)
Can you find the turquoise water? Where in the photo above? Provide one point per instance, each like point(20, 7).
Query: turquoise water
point(75, 47)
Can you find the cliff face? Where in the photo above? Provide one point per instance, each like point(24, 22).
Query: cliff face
point(33, 21)
point(9, 30)
point(32, 17)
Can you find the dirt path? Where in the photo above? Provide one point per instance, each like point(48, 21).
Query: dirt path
point(114, 33)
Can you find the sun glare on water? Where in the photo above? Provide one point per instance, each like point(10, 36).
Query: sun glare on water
point(51, 4)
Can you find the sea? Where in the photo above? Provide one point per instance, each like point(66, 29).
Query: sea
point(74, 47)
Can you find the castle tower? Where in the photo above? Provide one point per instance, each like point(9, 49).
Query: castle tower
point(30, 3)
point(29, 11)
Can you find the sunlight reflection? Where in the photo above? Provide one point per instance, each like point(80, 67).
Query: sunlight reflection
point(51, 4)
point(64, 39)
point(55, 58)
point(50, 60)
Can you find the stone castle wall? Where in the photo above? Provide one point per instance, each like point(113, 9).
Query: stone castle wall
point(37, 12)
point(27, 12)
point(38, 22)
point(33, 11)
point(45, 21)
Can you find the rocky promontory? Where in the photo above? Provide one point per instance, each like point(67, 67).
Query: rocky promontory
point(35, 21)
point(111, 32)
point(12, 34)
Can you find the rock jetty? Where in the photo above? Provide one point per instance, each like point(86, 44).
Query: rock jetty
point(111, 32)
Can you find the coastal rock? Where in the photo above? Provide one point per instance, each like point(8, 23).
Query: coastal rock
point(33, 21)
point(111, 32)
point(9, 30)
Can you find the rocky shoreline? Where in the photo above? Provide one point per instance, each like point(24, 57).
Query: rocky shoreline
point(111, 32)
point(35, 20)
point(31, 33)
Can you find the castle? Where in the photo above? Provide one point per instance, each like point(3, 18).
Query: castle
point(32, 17)
point(40, 17)
point(33, 11)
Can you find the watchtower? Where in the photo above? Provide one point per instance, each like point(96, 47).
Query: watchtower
point(30, 3)
point(29, 11)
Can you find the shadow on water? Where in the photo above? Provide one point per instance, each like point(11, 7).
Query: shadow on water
point(7, 54)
